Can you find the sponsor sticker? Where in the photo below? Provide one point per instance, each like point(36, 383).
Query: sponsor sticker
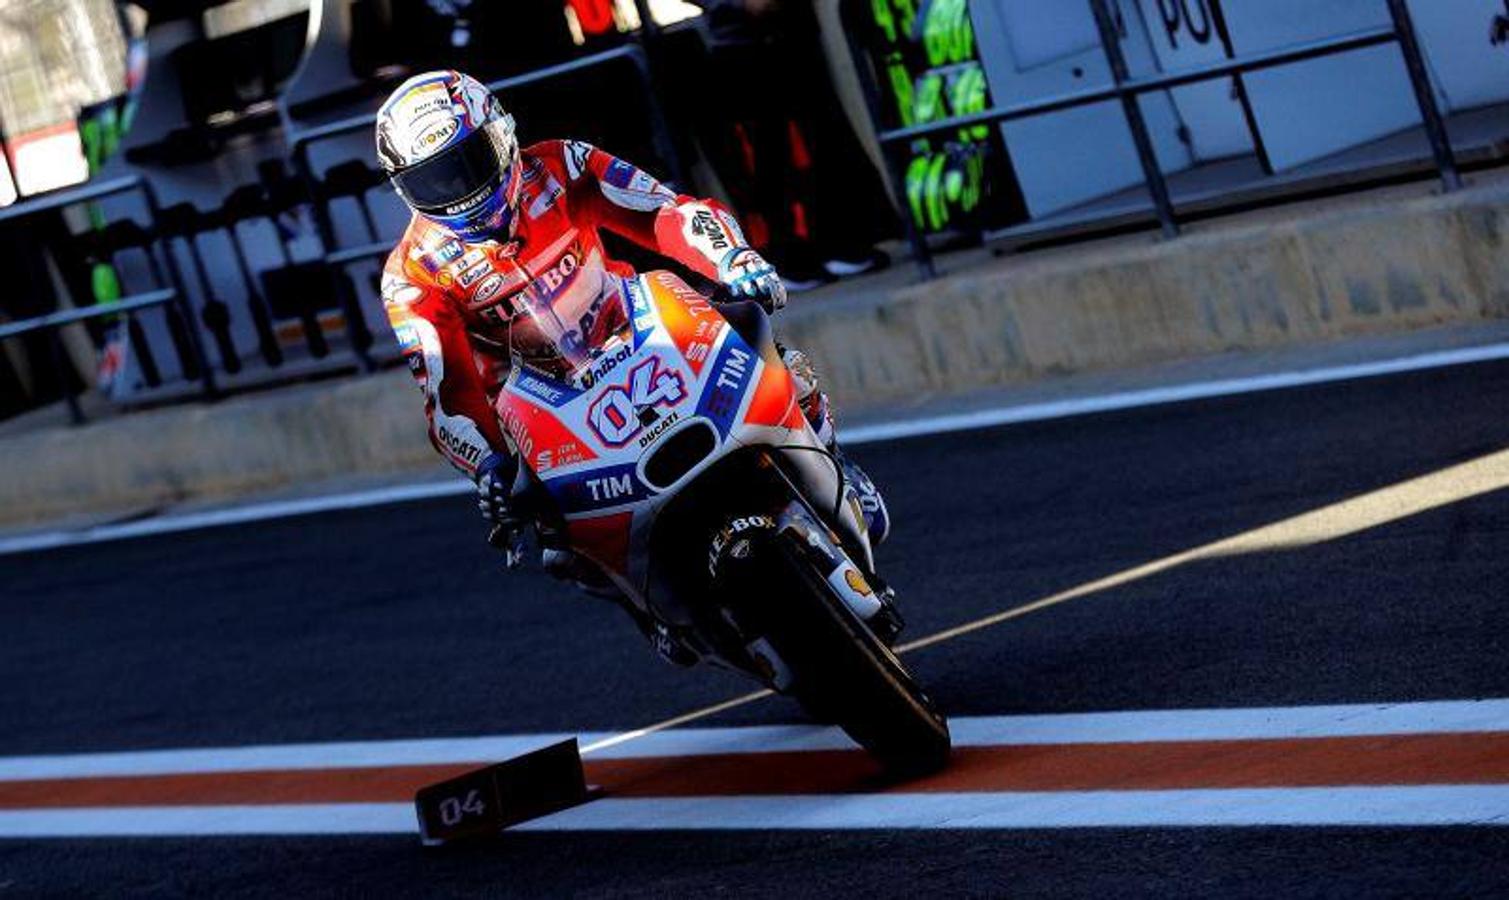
point(433, 137)
point(472, 276)
point(397, 292)
point(460, 447)
point(706, 226)
point(576, 158)
point(660, 427)
point(852, 588)
point(732, 372)
point(857, 582)
point(490, 287)
point(620, 174)
point(423, 100)
point(542, 390)
point(567, 454)
point(440, 256)
point(734, 529)
point(517, 430)
point(408, 338)
point(621, 412)
point(612, 487)
point(605, 365)
point(556, 277)
point(547, 198)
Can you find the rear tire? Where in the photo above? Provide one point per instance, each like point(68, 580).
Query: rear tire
point(842, 672)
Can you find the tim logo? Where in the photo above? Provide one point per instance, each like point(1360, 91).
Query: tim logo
point(611, 488)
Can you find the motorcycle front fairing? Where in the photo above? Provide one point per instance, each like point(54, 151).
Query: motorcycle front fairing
point(619, 408)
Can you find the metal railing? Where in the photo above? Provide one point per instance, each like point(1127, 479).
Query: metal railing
point(338, 257)
point(1127, 90)
point(169, 292)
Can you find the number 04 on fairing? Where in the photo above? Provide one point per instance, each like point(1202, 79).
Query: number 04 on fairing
point(679, 462)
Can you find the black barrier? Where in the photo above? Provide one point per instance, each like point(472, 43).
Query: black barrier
point(170, 295)
point(480, 804)
point(1127, 89)
point(338, 258)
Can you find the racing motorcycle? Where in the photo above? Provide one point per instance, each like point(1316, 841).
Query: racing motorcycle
point(666, 433)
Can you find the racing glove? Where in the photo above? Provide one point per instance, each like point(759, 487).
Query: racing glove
point(495, 493)
point(747, 276)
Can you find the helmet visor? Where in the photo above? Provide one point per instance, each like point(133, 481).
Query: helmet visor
point(445, 184)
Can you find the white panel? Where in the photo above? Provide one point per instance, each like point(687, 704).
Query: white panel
point(1467, 69)
point(1313, 109)
point(1069, 158)
point(1042, 32)
point(1034, 49)
point(1183, 36)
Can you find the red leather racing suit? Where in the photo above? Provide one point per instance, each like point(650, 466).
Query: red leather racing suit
point(449, 300)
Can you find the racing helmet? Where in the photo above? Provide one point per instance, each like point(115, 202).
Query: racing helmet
point(450, 152)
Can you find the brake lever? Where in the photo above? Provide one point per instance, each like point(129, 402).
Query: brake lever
point(513, 557)
point(513, 541)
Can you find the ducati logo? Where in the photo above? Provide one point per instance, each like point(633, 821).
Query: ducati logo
point(704, 225)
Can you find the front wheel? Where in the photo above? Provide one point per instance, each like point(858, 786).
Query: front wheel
point(843, 673)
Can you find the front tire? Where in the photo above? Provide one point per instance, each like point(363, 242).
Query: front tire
point(842, 672)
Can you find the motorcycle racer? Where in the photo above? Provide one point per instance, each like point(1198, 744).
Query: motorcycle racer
point(489, 219)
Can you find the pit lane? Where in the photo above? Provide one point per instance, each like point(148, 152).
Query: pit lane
point(392, 623)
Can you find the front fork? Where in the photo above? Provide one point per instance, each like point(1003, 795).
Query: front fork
point(823, 551)
point(817, 546)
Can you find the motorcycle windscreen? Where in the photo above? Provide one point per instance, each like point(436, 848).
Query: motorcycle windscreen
point(561, 334)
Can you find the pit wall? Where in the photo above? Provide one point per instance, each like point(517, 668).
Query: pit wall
point(1389, 267)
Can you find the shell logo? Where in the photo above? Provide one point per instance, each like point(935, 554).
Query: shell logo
point(857, 583)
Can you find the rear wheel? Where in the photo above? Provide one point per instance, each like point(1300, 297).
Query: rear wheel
point(843, 673)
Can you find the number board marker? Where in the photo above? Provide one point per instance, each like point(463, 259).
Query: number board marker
point(480, 804)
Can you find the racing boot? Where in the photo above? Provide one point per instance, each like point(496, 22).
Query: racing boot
point(569, 566)
point(819, 413)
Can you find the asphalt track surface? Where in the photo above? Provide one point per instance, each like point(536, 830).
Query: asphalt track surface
point(396, 622)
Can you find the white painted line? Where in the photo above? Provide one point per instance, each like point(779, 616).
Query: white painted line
point(1274, 723)
point(885, 431)
point(1199, 390)
point(208, 821)
point(236, 515)
point(1437, 805)
point(1417, 806)
point(1349, 720)
point(274, 757)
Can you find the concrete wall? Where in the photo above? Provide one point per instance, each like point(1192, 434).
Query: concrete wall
point(1425, 262)
point(250, 443)
point(1393, 266)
